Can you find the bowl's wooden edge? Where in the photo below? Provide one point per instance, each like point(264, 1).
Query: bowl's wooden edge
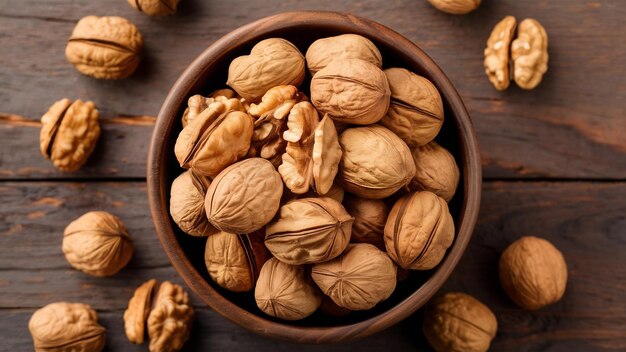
point(472, 178)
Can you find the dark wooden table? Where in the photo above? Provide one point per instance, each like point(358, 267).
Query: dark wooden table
point(554, 162)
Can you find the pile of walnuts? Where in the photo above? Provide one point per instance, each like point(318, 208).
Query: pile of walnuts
point(321, 199)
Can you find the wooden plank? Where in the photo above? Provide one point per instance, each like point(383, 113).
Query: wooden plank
point(585, 220)
point(569, 127)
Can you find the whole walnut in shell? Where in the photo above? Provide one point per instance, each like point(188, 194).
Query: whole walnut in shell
point(529, 52)
point(272, 62)
point(106, 47)
point(459, 322)
point(419, 230)
point(284, 291)
point(341, 47)
point(187, 204)
point(234, 261)
point(435, 171)
point(533, 272)
point(375, 162)
point(97, 244)
point(416, 110)
point(309, 230)
point(155, 7)
point(352, 91)
point(455, 7)
point(497, 53)
point(69, 133)
point(66, 327)
point(370, 216)
point(359, 279)
point(244, 197)
point(170, 319)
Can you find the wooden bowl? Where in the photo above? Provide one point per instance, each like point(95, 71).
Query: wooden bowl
point(208, 72)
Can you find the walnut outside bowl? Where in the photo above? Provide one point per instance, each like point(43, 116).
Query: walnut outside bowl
point(209, 72)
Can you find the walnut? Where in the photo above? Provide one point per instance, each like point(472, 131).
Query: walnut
point(66, 327)
point(455, 7)
point(436, 171)
point(419, 230)
point(352, 91)
point(284, 291)
point(416, 110)
point(69, 133)
point(326, 155)
point(169, 321)
point(375, 162)
point(533, 272)
point(497, 53)
point(359, 279)
point(529, 52)
point(97, 244)
point(309, 230)
point(341, 47)
point(244, 197)
point(155, 7)
point(104, 47)
point(187, 204)
point(214, 140)
point(370, 216)
point(197, 104)
point(234, 261)
point(459, 322)
point(136, 314)
point(272, 62)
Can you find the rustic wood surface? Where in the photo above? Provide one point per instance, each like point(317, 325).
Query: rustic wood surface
point(554, 160)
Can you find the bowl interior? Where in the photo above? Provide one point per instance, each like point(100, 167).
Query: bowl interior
point(209, 72)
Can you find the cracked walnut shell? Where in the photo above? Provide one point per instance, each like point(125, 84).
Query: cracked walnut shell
point(341, 47)
point(69, 133)
point(359, 279)
point(459, 322)
point(455, 7)
point(419, 230)
point(106, 47)
point(533, 272)
point(66, 327)
point(436, 171)
point(370, 216)
point(170, 319)
point(529, 52)
point(97, 244)
point(155, 7)
point(187, 204)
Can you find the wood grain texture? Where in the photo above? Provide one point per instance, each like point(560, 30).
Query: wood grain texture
point(586, 221)
point(569, 127)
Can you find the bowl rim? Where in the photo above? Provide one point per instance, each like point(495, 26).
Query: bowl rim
point(471, 177)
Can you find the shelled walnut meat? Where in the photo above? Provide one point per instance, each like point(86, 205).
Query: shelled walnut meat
point(155, 7)
point(341, 47)
point(196, 104)
point(69, 133)
point(435, 171)
point(187, 204)
point(66, 327)
point(106, 47)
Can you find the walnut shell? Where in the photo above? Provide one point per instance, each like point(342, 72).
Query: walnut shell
point(341, 47)
point(187, 204)
point(170, 319)
point(214, 140)
point(529, 52)
point(106, 47)
point(69, 133)
point(375, 162)
point(272, 62)
point(136, 313)
point(244, 197)
point(196, 104)
point(284, 291)
point(435, 171)
point(370, 216)
point(359, 279)
point(455, 7)
point(66, 327)
point(533, 272)
point(497, 53)
point(459, 322)
point(416, 110)
point(309, 230)
point(352, 91)
point(155, 7)
point(234, 261)
point(419, 230)
point(97, 244)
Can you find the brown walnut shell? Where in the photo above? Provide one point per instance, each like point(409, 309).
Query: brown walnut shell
point(533, 272)
point(169, 321)
point(106, 47)
point(341, 47)
point(155, 7)
point(370, 216)
point(435, 171)
point(455, 7)
point(187, 204)
point(529, 52)
point(419, 230)
point(136, 314)
point(497, 53)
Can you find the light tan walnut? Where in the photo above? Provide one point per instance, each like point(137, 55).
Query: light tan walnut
point(497, 53)
point(529, 52)
point(370, 217)
point(170, 319)
point(187, 204)
point(69, 133)
point(155, 7)
point(97, 244)
point(136, 313)
point(106, 47)
point(455, 7)
point(459, 322)
point(66, 327)
point(197, 104)
point(326, 155)
point(436, 171)
point(341, 47)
